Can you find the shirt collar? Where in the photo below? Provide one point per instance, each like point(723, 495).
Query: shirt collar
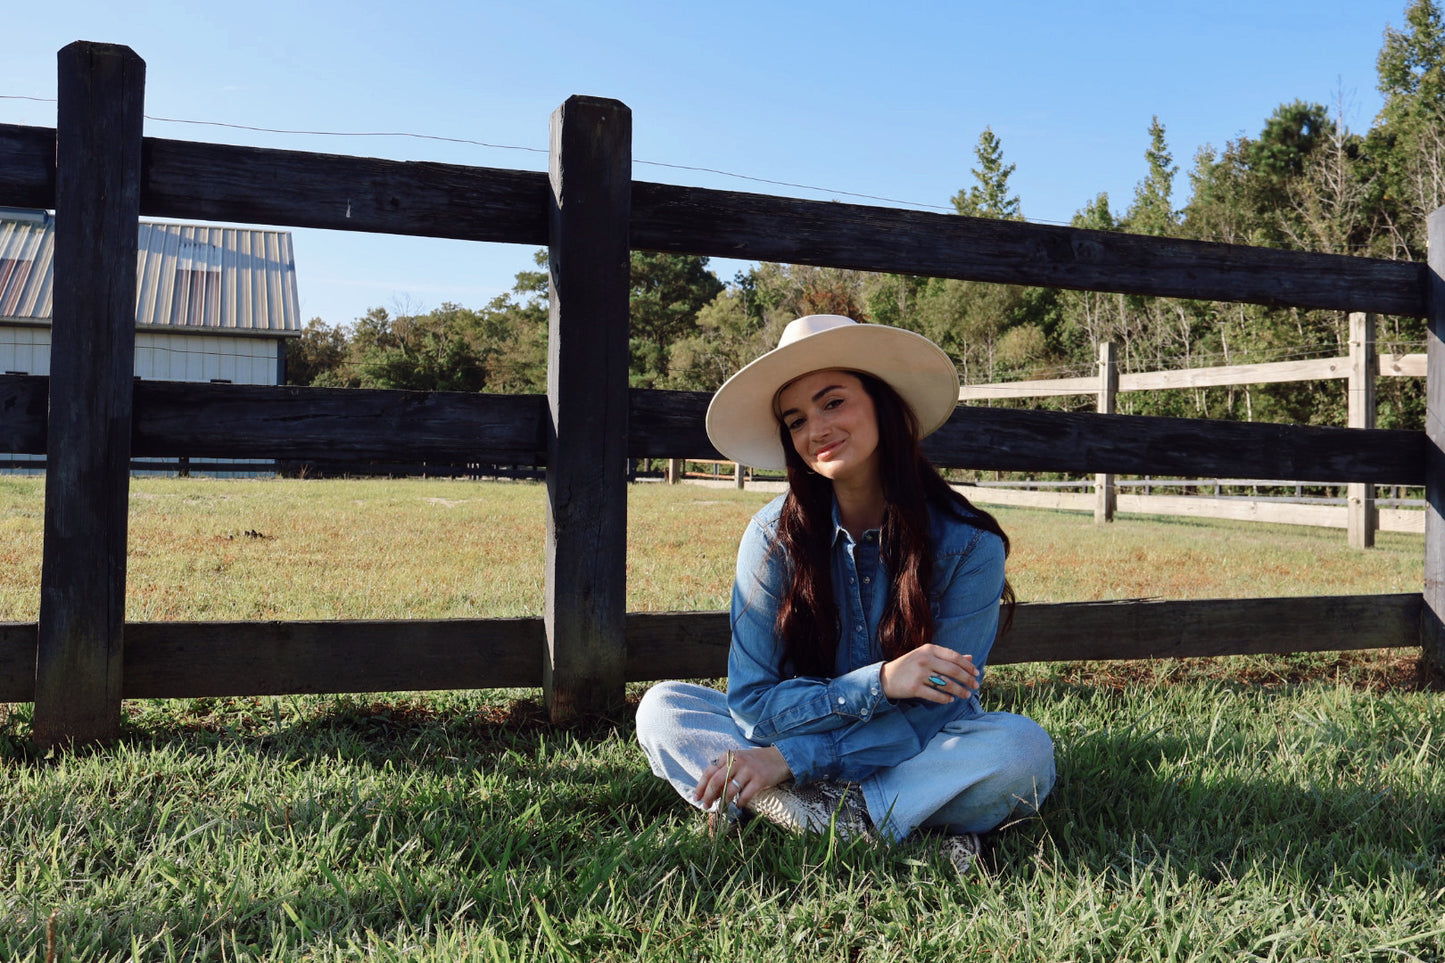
point(841, 534)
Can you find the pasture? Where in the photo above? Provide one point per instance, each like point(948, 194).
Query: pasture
point(1247, 808)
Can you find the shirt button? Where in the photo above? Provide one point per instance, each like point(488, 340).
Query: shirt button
point(863, 713)
point(853, 581)
point(866, 580)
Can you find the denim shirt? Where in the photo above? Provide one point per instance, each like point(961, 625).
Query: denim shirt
point(844, 727)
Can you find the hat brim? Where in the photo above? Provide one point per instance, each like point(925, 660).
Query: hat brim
point(742, 424)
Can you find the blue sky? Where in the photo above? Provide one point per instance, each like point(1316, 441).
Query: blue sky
point(885, 100)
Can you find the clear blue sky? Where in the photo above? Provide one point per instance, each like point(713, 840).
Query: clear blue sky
point(884, 99)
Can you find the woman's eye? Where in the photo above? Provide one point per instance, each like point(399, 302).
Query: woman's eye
point(795, 424)
point(832, 403)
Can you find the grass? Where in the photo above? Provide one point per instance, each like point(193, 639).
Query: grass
point(1247, 810)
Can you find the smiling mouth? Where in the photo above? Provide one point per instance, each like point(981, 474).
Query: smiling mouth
point(826, 452)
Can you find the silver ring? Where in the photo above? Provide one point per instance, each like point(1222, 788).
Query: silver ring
point(937, 682)
point(737, 790)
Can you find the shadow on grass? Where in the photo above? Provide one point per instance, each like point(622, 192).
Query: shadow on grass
point(1171, 796)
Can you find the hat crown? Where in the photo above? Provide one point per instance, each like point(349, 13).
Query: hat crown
point(809, 325)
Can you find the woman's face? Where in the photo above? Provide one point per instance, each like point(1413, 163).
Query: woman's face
point(830, 418)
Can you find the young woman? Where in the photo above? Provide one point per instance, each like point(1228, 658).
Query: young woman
point(866, 601)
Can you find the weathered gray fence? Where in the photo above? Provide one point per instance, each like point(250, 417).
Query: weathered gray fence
point(99, 174)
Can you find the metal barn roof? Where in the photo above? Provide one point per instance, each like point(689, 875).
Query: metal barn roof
point(189, 277)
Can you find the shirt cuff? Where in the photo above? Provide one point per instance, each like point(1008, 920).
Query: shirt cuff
point(859, 693)
point(811, 757)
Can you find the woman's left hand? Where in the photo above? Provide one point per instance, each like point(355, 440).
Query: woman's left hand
point(738, 774)
point(930, 672)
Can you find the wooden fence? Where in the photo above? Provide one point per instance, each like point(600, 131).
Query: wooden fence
point(99, 174)
point(1359, 369)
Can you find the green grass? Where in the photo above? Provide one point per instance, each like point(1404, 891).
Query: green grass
point(1296, 816)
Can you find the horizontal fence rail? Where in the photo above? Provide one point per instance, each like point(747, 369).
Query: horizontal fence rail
point(196, 659)
point(300, 189)
point(254, 421)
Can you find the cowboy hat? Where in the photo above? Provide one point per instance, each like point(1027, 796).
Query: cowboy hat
point(742, 419)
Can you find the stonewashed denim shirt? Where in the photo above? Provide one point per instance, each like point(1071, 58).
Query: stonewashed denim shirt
point(844, 727)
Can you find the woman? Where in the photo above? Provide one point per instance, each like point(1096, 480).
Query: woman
point(866, 601)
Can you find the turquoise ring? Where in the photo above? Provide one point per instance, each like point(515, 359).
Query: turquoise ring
point(936, 682)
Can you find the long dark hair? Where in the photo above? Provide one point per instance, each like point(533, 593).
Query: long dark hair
point(808, 617)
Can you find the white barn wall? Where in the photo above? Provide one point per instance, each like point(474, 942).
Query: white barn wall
point(179, 357)
point(25, 350)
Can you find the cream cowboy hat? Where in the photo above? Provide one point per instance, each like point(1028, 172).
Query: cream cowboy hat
point(742, 421)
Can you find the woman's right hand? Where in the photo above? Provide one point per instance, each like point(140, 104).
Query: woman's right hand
point(914, 675)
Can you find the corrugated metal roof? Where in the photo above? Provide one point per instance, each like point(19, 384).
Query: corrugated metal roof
point(27, 251)
point(188, 276)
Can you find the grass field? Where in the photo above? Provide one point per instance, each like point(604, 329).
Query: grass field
point(1277, 809)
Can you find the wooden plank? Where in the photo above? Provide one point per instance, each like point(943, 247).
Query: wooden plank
point(82, 580)
point(1274, 372)
point(1364, 367)
point(191, 659)
point(23, 422)
point(1051, 500)
point(677, 645)
point(587, 397)
point(1239, 374)
point(1106, 497)
point(1023, 440)
point(242, 421)
point(668, 424)
point(17, 661)
point(1042, 388)
point(1150, 629)
point(690, 220)
point(252, 185)
point(27, 166)
point(1402, 365)
point(195, 659)
point(256, 421)
point(1432, 619)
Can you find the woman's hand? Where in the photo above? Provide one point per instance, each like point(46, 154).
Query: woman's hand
point(918, 674)
point(738, 774)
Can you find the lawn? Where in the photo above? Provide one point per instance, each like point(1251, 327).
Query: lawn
point(1284, 808)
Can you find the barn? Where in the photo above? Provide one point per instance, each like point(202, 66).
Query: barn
point(213, 303)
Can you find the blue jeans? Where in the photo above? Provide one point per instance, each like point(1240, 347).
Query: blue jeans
point(973, 776)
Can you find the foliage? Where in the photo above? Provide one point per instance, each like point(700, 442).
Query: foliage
point(668, 291)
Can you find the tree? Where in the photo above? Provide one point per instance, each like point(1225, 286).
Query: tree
point(318, 356)
point(990, 197)
point(1152, 211)
point(437, 351)
point(668, 290)
point(1408, 140)
point(727, 338)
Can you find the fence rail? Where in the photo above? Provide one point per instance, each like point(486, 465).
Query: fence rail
point(196, 659)
point(100, 175)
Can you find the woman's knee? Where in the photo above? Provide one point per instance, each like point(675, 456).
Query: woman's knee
point(1031, 753)
point(657, 709)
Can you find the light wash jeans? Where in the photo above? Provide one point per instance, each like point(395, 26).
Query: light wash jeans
point(971, 777)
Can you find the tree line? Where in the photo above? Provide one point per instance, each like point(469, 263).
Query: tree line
point(1304, 181)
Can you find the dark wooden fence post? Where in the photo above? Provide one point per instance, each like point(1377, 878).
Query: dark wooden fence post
point(587, 394)
point(97, 209)
point(1432, 613)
